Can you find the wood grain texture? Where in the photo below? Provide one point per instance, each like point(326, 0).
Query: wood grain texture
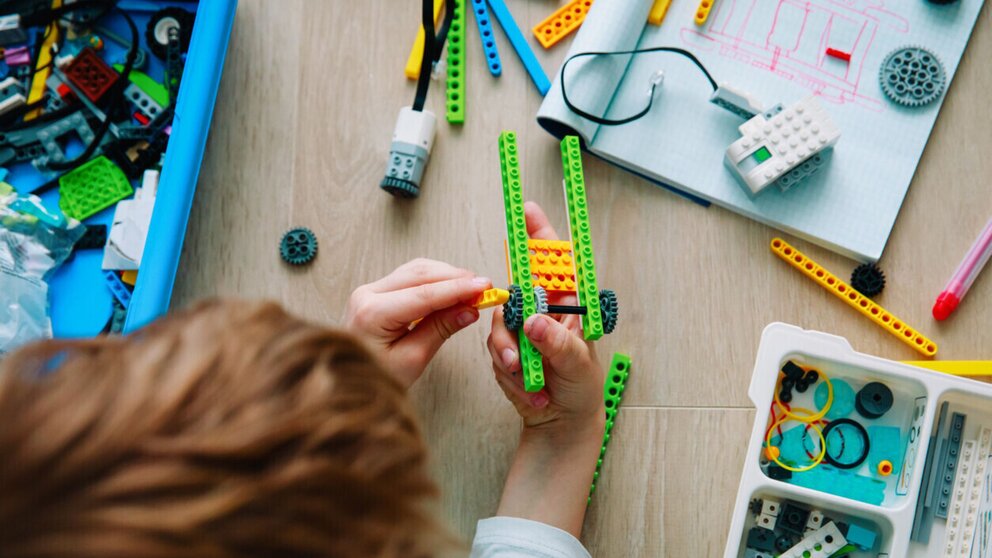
point(307, 104)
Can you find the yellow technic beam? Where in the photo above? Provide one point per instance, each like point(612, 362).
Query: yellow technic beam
point(853, 298)
point(416, 57)
point(955, 367)
point(703, 11)
point(43, 66)
point(658, 11)
point(558, 25)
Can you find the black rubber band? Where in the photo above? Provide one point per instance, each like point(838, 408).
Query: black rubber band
point(861, 430)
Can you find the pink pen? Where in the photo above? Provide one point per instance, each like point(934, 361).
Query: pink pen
point(970, 267)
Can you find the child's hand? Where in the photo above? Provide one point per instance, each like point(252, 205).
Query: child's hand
point(573, 392)
point(434, 292)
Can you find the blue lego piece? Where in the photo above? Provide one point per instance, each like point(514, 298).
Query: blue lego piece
point(885, 446)
point(843, 404)
point(520, 45)
point(486, 34)
point(861, 537)
point(118, 288)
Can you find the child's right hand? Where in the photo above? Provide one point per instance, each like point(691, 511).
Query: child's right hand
point(572, 398)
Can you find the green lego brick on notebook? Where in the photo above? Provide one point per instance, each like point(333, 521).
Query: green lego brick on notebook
point(578, 215)
point(92, 187)
point(455, 106)
point(519, 253)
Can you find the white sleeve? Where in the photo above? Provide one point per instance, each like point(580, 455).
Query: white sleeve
point(512, 537)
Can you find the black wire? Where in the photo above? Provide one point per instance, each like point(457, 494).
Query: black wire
point(616, 122)
point(433, 45)
point(116, 96)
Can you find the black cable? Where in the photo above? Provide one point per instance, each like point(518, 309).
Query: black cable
point(433, 45)
point(616, 122)
point(117, 98)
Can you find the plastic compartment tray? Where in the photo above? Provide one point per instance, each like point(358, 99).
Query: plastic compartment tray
point(780, 342)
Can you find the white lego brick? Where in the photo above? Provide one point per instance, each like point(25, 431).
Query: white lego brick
point(770, 148)
point(129, 229)
point(767, 521)
point(819, 544)
point(815, 521)
point(736, 101)
point(770, 507)
point(415, 128)
point(957, 517)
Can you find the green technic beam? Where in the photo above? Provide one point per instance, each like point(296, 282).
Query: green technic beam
point(616, 381)
point(578, 220)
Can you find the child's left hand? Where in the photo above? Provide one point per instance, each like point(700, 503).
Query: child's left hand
point(440, 294)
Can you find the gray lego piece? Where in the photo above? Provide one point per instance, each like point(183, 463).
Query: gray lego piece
point(923, 519)
point(142, 101)
point(948, 466)
point(49, 137)
point(406, 162)
point(912, 76)
point(752, 553)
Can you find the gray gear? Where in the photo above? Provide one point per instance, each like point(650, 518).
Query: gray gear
point(912, 76)
point(541, 300)
point(513, 309)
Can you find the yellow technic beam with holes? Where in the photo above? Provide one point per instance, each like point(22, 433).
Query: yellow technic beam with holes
point(553, 265)
point(703, 11)
point(558, 25)
point(416, 57)
point(658, 11)
point(955, 367)
point(43, 66)
point(853, 298)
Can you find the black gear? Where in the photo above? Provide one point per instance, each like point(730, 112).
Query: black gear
point(298, 246)
point(513, 310)
point(609, 307)
point(399, 187)
point(868, 280)
point(157, 35)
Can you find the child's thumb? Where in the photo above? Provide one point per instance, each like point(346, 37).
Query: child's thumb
point(564, 350)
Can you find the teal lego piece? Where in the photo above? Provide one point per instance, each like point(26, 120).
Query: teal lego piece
point(884, 442)
point(616, 382)
point(456, 66)
point(519, 254)
point(92, 187)
point(578, 218)
point(842, 483)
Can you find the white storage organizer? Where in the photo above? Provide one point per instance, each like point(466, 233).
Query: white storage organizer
point(882, 506)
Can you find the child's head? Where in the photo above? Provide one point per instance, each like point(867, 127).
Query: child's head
point(233, 429)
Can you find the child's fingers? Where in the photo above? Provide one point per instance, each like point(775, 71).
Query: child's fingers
point(503, 345)
point(513, 389)
point(420, 271)
point(565, 351)
point(395, 310)
point(423, 342)
point(538, 224)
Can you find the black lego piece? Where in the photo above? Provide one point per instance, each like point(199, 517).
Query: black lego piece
point(874, 400)
point(830, 460)
point(793, 518)
point(94, 237)
point(785, 396)
point(778, 473)
point(761, 539)
point(784, 542)
point(157, 32)
point(868, 279)
point(792, 370)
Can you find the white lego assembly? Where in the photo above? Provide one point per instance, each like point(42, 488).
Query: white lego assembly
point(129, 229)
point(409, 151)
point(773, 145)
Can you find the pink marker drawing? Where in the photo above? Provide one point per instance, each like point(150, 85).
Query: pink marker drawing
point(970, 267)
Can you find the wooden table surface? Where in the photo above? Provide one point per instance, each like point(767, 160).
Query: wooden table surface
point(306, 109)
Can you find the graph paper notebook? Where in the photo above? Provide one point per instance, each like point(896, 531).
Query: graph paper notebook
point(776, 51)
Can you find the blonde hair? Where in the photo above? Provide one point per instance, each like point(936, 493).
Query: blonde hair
point(232, 429)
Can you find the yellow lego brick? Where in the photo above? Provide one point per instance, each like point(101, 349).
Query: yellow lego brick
point(552, 264)
point(490, 298)
point(658, 11)
point(43, 66)
point(703, 11)
point(130, 276)
point(955, 367)
point(558, 25)
point(416, 57)
point(853, 298)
